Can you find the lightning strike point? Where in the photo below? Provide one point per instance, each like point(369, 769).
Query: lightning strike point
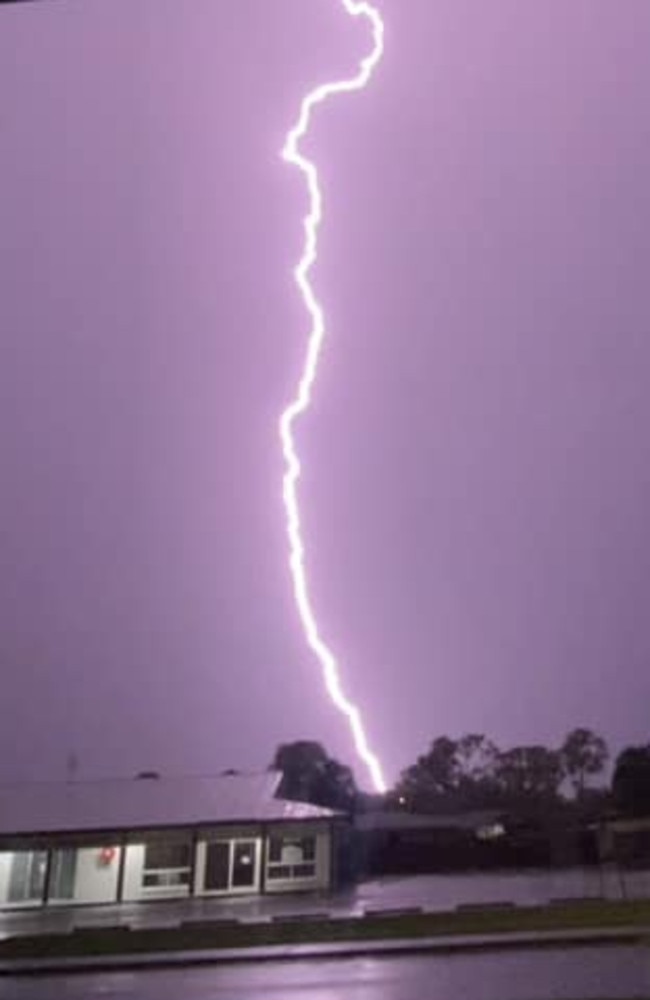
point(302, 398)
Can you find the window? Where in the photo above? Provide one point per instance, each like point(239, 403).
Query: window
point(167, 856)
point(27, 876)
point(304, 871)
point(279, 871)
point(291, 857)
point(282, 847)
point(167, 878)
point(166, 865)
point(63, 873)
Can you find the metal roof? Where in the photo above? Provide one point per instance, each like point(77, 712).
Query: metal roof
point(140, 803)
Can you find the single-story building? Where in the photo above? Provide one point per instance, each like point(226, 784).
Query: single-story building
point(399, 842)
point(625, 840)
point(153, 838)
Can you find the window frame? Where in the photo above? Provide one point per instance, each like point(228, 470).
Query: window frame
point(281, 869)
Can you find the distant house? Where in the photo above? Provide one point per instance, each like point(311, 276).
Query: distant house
point(625, 840)
point(407, 843)
point(401, 842)
point(158, 838)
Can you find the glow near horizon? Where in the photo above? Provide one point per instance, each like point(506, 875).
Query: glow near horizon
point(300, 403)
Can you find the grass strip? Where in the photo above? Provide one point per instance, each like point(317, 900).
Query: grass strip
point(319, 930)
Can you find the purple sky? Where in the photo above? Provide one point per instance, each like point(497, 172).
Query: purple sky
point(477, 462)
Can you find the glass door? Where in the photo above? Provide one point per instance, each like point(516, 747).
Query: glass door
point(217, 866)
point(243, 872)
point(231, 866)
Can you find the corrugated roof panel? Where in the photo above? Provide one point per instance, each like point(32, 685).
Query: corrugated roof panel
point(146, 802)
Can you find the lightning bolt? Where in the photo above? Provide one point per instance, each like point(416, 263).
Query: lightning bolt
point(300, 403)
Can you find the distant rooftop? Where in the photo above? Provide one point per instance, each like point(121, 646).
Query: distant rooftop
point(147, 802)
point(397, 820)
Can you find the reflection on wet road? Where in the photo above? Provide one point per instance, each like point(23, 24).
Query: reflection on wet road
point(578, 973)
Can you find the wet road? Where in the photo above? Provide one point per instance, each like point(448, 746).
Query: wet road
point(603, 973)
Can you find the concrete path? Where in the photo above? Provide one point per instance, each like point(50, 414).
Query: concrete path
point(429, 892)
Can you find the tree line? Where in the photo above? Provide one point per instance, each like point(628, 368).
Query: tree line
point(473, 773)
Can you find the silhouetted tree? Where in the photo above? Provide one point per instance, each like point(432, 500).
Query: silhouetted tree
point(583, 754)
point(529, 775)
point(477, 758)
point(631, 781)
point(452, 775)
point(309, 774)
point(432, 779)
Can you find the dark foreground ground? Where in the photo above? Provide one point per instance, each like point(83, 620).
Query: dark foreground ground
point(473, 927)
point(589, 973)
